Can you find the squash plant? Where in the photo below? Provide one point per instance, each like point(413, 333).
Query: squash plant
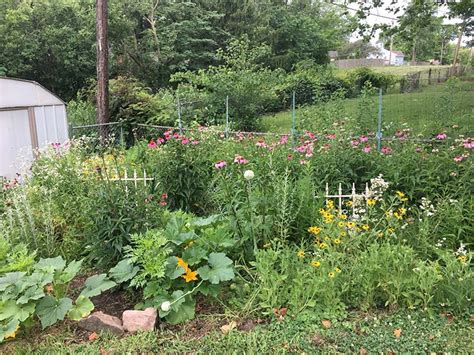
point(176, 262)
point(42, 293)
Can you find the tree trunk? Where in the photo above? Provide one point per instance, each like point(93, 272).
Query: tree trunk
point(102, 67)
point(458, 45)
point(413, 53)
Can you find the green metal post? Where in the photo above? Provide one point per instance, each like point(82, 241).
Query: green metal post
point(293, 118)
point(179, 118)
point(227, 116)
point(379, 123)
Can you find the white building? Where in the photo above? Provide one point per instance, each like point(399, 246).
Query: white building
point(395, 58)
point(31, 118)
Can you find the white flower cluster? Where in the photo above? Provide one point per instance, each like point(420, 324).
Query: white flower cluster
point(377, 187)
point(427, 207)
point(461, 250)
point(441, 242)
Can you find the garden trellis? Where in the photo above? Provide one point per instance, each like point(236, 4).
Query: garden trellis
point(134, 177)
point(353, 196)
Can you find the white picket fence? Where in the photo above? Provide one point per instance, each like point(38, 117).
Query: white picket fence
point(353, 196)
point(134, 177)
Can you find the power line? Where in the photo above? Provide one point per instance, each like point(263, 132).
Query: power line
point(368, 13)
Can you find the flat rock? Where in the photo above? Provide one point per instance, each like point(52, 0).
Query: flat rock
point(134, 321)
point(99, 321)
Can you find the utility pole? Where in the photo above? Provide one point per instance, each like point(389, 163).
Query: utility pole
point(102, 94)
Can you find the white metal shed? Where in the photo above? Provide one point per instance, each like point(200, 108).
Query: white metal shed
point(31, 118)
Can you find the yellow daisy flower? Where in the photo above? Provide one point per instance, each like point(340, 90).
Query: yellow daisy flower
point(316, 263)
point(300, 254)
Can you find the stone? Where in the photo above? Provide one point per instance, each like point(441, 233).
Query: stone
point(134, 321)
point(99, 321)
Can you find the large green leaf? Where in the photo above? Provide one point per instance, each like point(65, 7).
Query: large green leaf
point(70, 271)
point(31, 293)
point(50, 264)
point(219, 269)
point(173, 271)
point(10, 309)
point(184, 312)
point(50, 310)
point(82, 308)
point(11, 279)
point(204, 222)
point(97, 284)
point(123, 271)
point(9, 329)
point(194, 254)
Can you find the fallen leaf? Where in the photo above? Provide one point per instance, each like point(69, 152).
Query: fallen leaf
point(397, 332)
point(362, 351)
point(225, 329)
point(283, 311)
point(326, 323)
point(92, 336)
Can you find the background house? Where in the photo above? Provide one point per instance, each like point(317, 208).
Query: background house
point(397, 57)
point(31, 118)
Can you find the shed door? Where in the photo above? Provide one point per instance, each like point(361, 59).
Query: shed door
point(15, 142)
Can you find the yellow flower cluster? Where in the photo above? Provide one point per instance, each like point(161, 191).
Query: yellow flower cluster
point(401, 196)
point(314, 230)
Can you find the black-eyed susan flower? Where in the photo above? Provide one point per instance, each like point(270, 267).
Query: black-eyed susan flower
point(337, 270)
point(365, 227)
point(342, 234)
point(300, 254)
point(371, 202)
point(350, 224)
point(315, 263)
point(337, 241)
point(331, 275)
point(462, 259)
point(314, 230)
point(323, 245)
point(341, 224)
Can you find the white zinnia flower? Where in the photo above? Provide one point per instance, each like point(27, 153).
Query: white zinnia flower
point(249, 175)
point(166, 306)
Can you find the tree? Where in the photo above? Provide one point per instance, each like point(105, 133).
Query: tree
point(464, 10)
point(357, 49)
point(102, 94)
point(49, 41)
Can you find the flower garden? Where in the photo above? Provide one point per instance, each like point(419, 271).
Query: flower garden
point(238, 236)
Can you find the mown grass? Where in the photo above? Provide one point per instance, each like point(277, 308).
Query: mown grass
point(375, 333)
point(426, 111)
point(398, 70)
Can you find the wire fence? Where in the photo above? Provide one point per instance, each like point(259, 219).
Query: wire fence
point(426, 101)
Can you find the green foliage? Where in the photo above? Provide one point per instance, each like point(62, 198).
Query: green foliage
point(166, 260)
point(357, 79)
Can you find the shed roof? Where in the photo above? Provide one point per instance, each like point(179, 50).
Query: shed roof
point(15, 93)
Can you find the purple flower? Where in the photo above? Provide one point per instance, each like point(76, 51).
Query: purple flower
point(367, 149)
point(363, 138)
point(386, 150)
point(441, 136)
point(152, 144)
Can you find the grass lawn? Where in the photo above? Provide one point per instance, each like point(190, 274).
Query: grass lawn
point(421, 111)
point(399, 70)
point(358, 333)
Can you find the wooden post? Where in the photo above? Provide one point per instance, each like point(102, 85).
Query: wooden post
point(102, 67)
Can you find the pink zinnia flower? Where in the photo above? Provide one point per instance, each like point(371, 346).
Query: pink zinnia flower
point(220, 164)
point(367, 149)
point(386, 150)
point(354, 143)
point(310, 135)
point(363, 138)
point(441, 136)
point(240, 160)
point(176, 135)
point(152, 144)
